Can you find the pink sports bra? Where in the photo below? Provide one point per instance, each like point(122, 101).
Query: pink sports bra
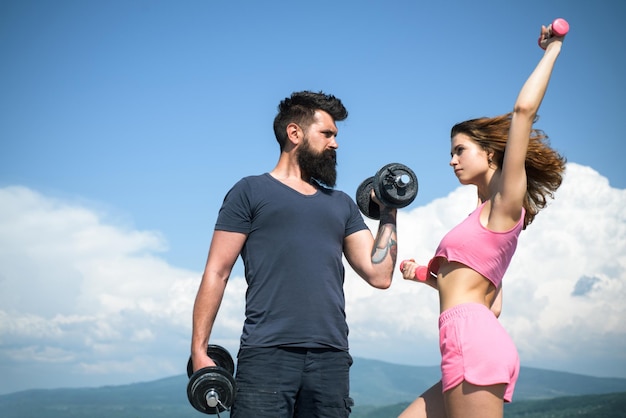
point(487, 252)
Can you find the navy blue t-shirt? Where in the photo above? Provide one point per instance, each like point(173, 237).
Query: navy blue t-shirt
point(293, 261)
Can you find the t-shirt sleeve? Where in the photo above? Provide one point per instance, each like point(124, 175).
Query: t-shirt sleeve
point(355, 221)
point(235, 215)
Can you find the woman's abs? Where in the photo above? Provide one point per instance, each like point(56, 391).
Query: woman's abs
point(459, 284)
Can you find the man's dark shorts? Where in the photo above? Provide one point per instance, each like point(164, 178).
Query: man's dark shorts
point(292, 383)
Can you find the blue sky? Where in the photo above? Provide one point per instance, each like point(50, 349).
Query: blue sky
point(138, 116)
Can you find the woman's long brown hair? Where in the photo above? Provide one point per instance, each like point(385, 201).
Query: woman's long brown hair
point(544, 166)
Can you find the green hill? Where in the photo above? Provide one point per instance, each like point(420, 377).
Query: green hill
point(588, 406)
point(375, 382)
point(379, 389)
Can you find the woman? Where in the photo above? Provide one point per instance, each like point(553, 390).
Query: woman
point(514, 171)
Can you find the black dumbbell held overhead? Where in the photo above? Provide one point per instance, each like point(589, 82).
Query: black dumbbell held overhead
point(395, 185)
point(212, 390)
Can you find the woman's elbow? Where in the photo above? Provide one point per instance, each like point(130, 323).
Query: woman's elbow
point(525, 109)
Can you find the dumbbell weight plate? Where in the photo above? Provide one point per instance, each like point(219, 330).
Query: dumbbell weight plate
point(219, 355)
point(395, 185)
point(559, 27)
point(211, 380)
point(364, 201)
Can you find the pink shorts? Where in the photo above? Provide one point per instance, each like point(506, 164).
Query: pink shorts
point(476, 348)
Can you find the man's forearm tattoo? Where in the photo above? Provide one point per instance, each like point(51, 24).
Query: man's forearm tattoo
point(385, 243)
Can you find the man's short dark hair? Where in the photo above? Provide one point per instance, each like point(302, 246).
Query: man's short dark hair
point(300, 108)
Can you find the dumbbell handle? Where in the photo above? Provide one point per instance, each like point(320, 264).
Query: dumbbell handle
point(558, 27)
point(212, 398)
point(403, 180)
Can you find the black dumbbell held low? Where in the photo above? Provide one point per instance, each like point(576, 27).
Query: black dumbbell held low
point(212, 390)
point(395, 185)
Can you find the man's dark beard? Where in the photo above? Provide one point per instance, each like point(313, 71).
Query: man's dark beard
point(321, 167)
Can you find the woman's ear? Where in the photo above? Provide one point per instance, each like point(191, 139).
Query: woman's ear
point(490, 156)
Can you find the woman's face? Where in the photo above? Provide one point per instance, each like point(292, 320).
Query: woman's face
point(469, 160)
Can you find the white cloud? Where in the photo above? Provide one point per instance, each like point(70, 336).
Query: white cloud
point(92, 301)
point(78, 291)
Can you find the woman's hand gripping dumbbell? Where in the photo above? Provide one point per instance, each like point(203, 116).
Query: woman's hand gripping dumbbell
point(412, 271)
point(418, 273)
point(558, 28)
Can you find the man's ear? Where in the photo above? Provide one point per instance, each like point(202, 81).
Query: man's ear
point(294, 133)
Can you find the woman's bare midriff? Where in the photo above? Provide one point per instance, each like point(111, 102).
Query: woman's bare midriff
point(459, 284)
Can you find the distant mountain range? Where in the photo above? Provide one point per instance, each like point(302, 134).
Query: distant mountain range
point(376, 386)
point(379, 383)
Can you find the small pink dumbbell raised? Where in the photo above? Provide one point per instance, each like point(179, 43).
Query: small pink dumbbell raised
point(559, 27)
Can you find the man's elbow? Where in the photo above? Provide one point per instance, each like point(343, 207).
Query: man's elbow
point(381, 282)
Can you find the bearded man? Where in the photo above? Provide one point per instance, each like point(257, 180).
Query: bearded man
point(292, 228)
